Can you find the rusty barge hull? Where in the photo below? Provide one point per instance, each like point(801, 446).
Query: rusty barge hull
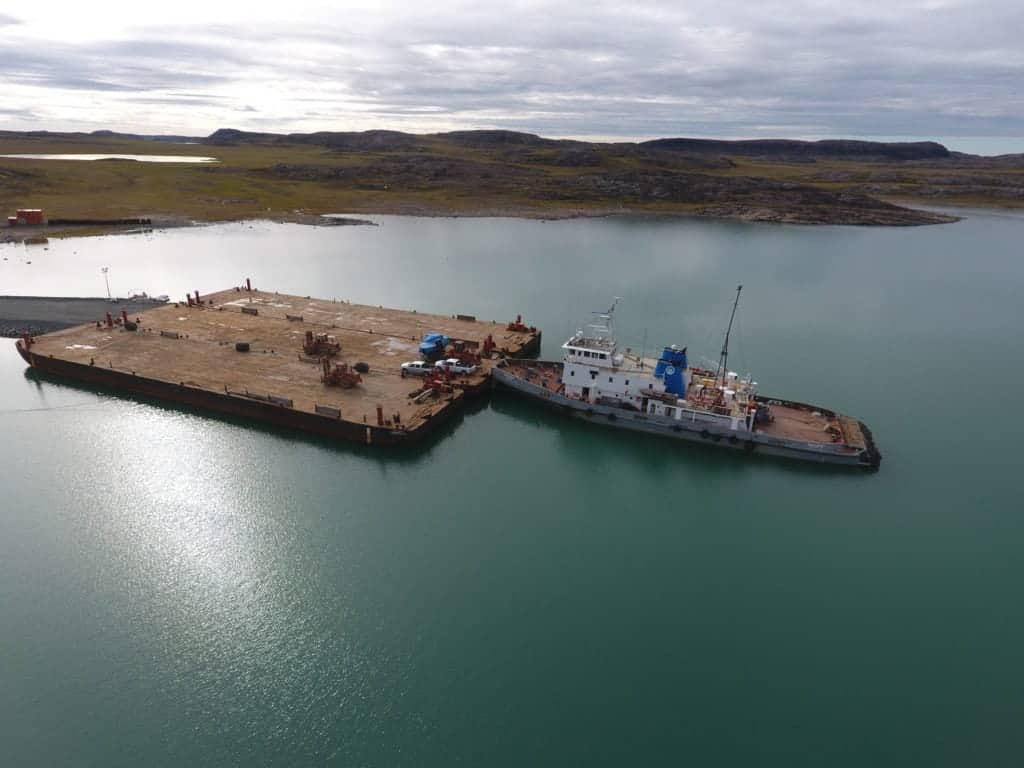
point(243, 408)
point(185, 354)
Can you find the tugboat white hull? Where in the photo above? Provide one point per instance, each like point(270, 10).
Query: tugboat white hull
point(707, 431)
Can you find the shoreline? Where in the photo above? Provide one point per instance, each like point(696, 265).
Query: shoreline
point(40, 234)
point(905, 216)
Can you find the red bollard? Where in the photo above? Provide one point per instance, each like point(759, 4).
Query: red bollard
point(380, 415)
point(248, 285)
point(124, 315)
point(110, 321)
point(198, 300)
point(188, 298)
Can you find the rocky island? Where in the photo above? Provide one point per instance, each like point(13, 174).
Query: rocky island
point(299, 177)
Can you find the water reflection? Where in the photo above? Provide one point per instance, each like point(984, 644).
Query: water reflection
point(46, 384)
point(594, 446)
point(205, 591)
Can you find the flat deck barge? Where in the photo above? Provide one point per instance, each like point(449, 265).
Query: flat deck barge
point(188, 353)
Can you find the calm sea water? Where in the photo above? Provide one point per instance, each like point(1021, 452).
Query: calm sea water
point(183, 590)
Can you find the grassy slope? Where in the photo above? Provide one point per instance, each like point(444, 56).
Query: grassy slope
point(483, 180)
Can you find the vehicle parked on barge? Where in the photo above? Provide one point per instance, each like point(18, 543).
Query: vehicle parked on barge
point(598, 382)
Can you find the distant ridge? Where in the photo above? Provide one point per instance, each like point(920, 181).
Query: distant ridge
point(97, 134)
point(915, 150)
point(384, 140)
point(375, 139)
point(157, 137)
point(380, 139)
point(775, 148)
point(511, 173)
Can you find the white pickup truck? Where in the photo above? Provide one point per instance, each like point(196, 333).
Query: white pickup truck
point(455, 366)
point(417, 368)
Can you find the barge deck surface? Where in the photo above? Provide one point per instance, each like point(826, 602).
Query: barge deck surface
point(203, 357)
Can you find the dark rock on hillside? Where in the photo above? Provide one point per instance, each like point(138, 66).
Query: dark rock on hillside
point(738, 197)
point(230, 136)
point(379, 141)
point(147, 137)
point(787, 148)
point(408, 171)
point(583, 157)
point(980, 162)
point(577, 158)
point(485, 139)
point(343, 140)
point(678, 160)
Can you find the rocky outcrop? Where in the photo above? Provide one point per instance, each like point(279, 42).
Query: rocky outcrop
point(788, 148)
point(740, 197)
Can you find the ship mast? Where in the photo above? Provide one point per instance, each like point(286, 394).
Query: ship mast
point(724, 359)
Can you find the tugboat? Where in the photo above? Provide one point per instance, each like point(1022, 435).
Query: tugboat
point(598, 382)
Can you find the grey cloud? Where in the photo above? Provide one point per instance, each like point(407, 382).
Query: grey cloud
point(17, 112)
point(145, 98)
point(118, 67)
point(639, 70)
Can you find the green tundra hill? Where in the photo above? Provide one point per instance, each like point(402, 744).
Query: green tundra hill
point(499, 173)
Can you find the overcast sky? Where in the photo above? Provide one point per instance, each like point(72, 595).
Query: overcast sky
point(629, 69)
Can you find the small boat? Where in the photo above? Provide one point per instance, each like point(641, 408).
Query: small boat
point(598, 382)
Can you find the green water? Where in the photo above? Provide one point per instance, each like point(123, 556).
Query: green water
point(181, 590)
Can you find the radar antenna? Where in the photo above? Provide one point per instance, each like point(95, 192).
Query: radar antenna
point(603, 325)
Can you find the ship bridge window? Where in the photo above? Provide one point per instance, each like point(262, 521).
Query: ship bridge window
point(572, 373)
point(627, 382)
point(586, 354)
point(609, 379)
point(603, 356)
